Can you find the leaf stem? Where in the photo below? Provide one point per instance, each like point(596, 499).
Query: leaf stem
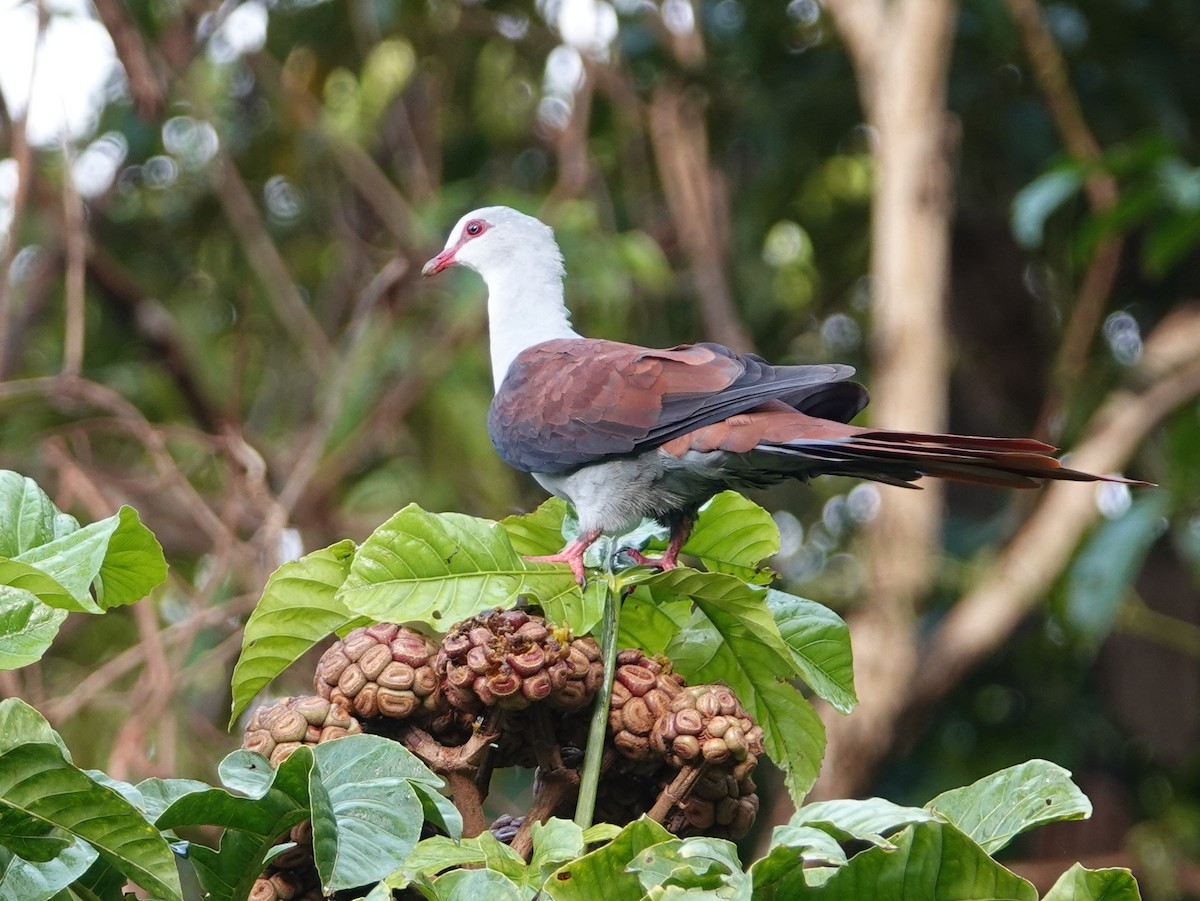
point(594, 754)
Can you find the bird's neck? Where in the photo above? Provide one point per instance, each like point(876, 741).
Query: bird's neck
point(525, 308)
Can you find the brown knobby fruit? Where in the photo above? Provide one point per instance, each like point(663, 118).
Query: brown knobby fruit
point(384, 670)
point(278, 729)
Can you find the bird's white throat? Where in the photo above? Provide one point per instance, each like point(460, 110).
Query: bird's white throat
point(525, 307)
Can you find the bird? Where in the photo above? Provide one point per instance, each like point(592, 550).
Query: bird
point(623, 432)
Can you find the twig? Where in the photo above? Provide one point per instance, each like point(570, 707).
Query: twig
point(695, 197)
point(267, 262)
point(1050, 70)
point(76, 246)
point(862, 25)
point(1136, 618)
point(22, 153)
point(149, 95)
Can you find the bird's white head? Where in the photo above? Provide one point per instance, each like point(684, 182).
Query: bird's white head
point(495, 239)
point(523, 267)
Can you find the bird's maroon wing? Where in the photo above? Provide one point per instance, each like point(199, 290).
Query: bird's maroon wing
point(570, 402)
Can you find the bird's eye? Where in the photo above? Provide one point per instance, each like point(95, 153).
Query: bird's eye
point(474, 228)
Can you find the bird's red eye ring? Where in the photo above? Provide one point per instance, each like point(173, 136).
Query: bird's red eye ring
point(475, 228)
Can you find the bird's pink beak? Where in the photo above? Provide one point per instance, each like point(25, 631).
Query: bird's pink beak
point(440, 262)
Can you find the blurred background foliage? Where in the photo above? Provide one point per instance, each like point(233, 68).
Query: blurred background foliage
point(210, 309)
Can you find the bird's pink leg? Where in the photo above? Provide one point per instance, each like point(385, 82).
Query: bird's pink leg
point(670, 560)
point(572, 555)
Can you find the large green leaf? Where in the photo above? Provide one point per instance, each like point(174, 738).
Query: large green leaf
point(118, 555)
point(439, 569)
point(820, 644)
point(869, 820)
point(538, 533)
point(476, 885)
point(29, 837)
point(28, 518)
point(1001, 806)
point(253, 825)
point(1081, 884)
point(796, 852)
point(555, 842)
point(20, 879)
point(25, 577)
point(36, 780)
point(377, 814)
point(930, 861)
point(27, 627)
point(22, 724)
point(693, 868)
point(734, 535)
point(604, 872)
point(650, 625)
point(298, 608)
point(732, 638)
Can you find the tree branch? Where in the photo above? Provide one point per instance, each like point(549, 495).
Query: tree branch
point(1050, 71)
point(267, 262)
point(149, 94)
point(1019, 579)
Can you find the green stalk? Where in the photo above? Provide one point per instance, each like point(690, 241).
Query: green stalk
point(589, 781)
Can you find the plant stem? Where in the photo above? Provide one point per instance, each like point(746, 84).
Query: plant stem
point(594, 755)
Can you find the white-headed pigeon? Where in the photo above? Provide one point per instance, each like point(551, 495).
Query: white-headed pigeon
point(623, 432)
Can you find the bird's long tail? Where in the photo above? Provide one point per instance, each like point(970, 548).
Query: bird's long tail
point(786, 442)
point(903, 457)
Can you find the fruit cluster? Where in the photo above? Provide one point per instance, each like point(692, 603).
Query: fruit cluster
point(507, 688)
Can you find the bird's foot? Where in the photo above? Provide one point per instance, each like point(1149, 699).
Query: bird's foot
point(665, 562)
point(572, 555)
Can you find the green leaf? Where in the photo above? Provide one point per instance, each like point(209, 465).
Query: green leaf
point(432, 855)
point(1038, 200)
point(28, 518)
point(29, 837)
point(31, 580)
point(930, 861)
point(21, 724)
point(603, 873)
point(1099, 577)
point(439, 569)
point(1081, 884)
point(554, 843)
point(795, 852)
point(253, 825)
point(700, 867)
point(118, 554)
point(735, 535)
point(36, 780)
point(539, 533)
point(298, 608)
point(27, 627)
point(378, 814)
point(1001, 806)
point(732, 638)
point(475, 885)
point(820, 644)
point(159, 794)
point(649, 624)
point(869, 820)
point(20, 879)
